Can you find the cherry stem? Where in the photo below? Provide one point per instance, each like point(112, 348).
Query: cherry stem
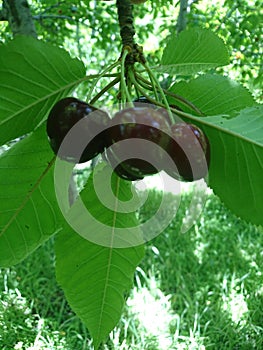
point(184, 101)
point(175, 96)
point(153, 87)
point(142, 83)
point(106, 88)
point(125, 95)
point(187, 115)
point(125, 18)
point(137, 86)
point(99, 76)
point(157, 85)
point(143, 80)
point(145, 86)
point(157, 103)
point(141, 89)
point(94, 76)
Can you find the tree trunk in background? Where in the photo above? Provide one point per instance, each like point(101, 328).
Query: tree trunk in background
point(19, 17)
point(182, 20)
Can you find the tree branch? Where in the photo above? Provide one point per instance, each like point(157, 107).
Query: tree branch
point(19, 17)
point(41, 17)
point(127, 32)
point(182, 20)
point(125, 18)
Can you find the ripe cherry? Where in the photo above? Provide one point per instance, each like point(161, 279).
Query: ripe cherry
point(190, 150)
point(63, 116)
point(142, 99)
point(135, 126)
point(119, 168)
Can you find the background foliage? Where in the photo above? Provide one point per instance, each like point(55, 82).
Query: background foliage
point(89, 30)
point(46, 73)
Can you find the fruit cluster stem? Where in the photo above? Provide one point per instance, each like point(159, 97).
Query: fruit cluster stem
point(125, 17)
point(127, 32)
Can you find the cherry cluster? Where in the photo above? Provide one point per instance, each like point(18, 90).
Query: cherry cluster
point(136, 142)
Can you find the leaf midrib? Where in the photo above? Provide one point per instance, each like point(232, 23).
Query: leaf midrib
point(189, 64)
point(221, 128)
point(110, 254)
point(234, 134)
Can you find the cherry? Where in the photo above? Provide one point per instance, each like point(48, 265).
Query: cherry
point(119, 168)
point(137, 157)
point(190, 150)
point(142, 99)
point(126, 174)
point(64, 115)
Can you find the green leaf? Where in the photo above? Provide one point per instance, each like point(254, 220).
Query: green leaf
point(236, 169)
point(96, 277)
point(213, 94)
point(33, 76)
point(97, 206)
point(192, 51)
point(29, 214)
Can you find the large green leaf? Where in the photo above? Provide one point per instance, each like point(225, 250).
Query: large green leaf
point(192, 51)
point(213, 94)
point(236, 138)
point(95, 277)
point(33, 75)
point(236, 169)
point(29, 214)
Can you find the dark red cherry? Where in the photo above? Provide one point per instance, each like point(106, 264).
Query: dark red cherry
point(132, 135)
point(119, 168)
point(63, 116)
point(142, 99)
point(126, 174)
point(190, 151)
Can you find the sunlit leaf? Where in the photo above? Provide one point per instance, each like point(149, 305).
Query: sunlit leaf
point(236, 169)
point(192, 51)
point(96, 277)
point(213, 94)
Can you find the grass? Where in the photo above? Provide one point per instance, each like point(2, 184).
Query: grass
point(214, 277)
point(198, 290)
